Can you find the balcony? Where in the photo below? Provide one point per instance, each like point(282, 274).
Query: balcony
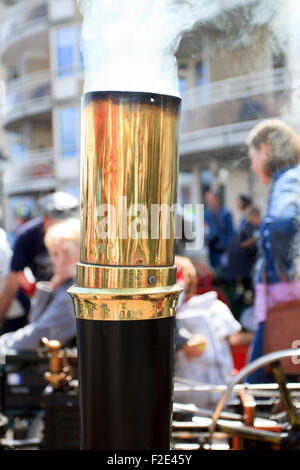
point(35, 172)
point(20, 24)
point(220, 114)
point(27, 96)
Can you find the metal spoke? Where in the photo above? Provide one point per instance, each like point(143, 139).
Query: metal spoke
point(204, 412)
point(284, 394)
point(257, 364)
point(247, 432)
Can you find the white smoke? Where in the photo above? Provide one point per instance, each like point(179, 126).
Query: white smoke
point(130, 45)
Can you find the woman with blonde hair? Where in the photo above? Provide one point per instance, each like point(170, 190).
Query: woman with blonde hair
point(274, 152)
point(52, 313)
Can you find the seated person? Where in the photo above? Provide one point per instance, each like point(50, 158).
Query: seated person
point(208, 317)
point(187, 278)
point(29, 252)
point(205, 327)
point(52, 314)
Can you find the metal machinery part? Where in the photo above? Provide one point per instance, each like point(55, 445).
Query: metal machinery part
point(126, 295)
point(192, 428)
point(62, 364)
point(246, 429)
point(287, 439)
point(37, 415)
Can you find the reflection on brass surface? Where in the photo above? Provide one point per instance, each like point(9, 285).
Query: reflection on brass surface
point(129, 167)
point(125, 304)
point(129, 164)
point(60, 371)
point(118, 277)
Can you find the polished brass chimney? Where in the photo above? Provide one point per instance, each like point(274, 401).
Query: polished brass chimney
point(126, 295)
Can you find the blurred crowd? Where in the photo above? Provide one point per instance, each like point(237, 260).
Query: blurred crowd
point(223, 305)
point(255, 268)
point(36, 272)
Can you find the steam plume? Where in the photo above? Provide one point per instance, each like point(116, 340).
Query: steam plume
point(130, 45)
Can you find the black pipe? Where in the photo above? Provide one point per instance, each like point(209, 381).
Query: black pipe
point(126, 377)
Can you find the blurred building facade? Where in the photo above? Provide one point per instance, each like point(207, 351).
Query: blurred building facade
point(39, 48)
point(244, 70)
point(227, 86)
point(2, 135)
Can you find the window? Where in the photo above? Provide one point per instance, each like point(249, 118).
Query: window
point(279, 59)
point(182, 84)
point(185, 188)
point(18, 146)
point(65, 48)
point(206, 181)
point(69, 131)
point(81, 58)
point(199, 74)
point(22, 208)
point(2, 92)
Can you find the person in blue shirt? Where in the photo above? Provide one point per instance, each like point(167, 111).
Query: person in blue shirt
point(274, 152)
point(243, 250)
point(218, 230)
point(244, 204)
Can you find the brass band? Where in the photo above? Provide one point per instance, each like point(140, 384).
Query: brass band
point(129, 167)
point(125, 304)
point(109, 277)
